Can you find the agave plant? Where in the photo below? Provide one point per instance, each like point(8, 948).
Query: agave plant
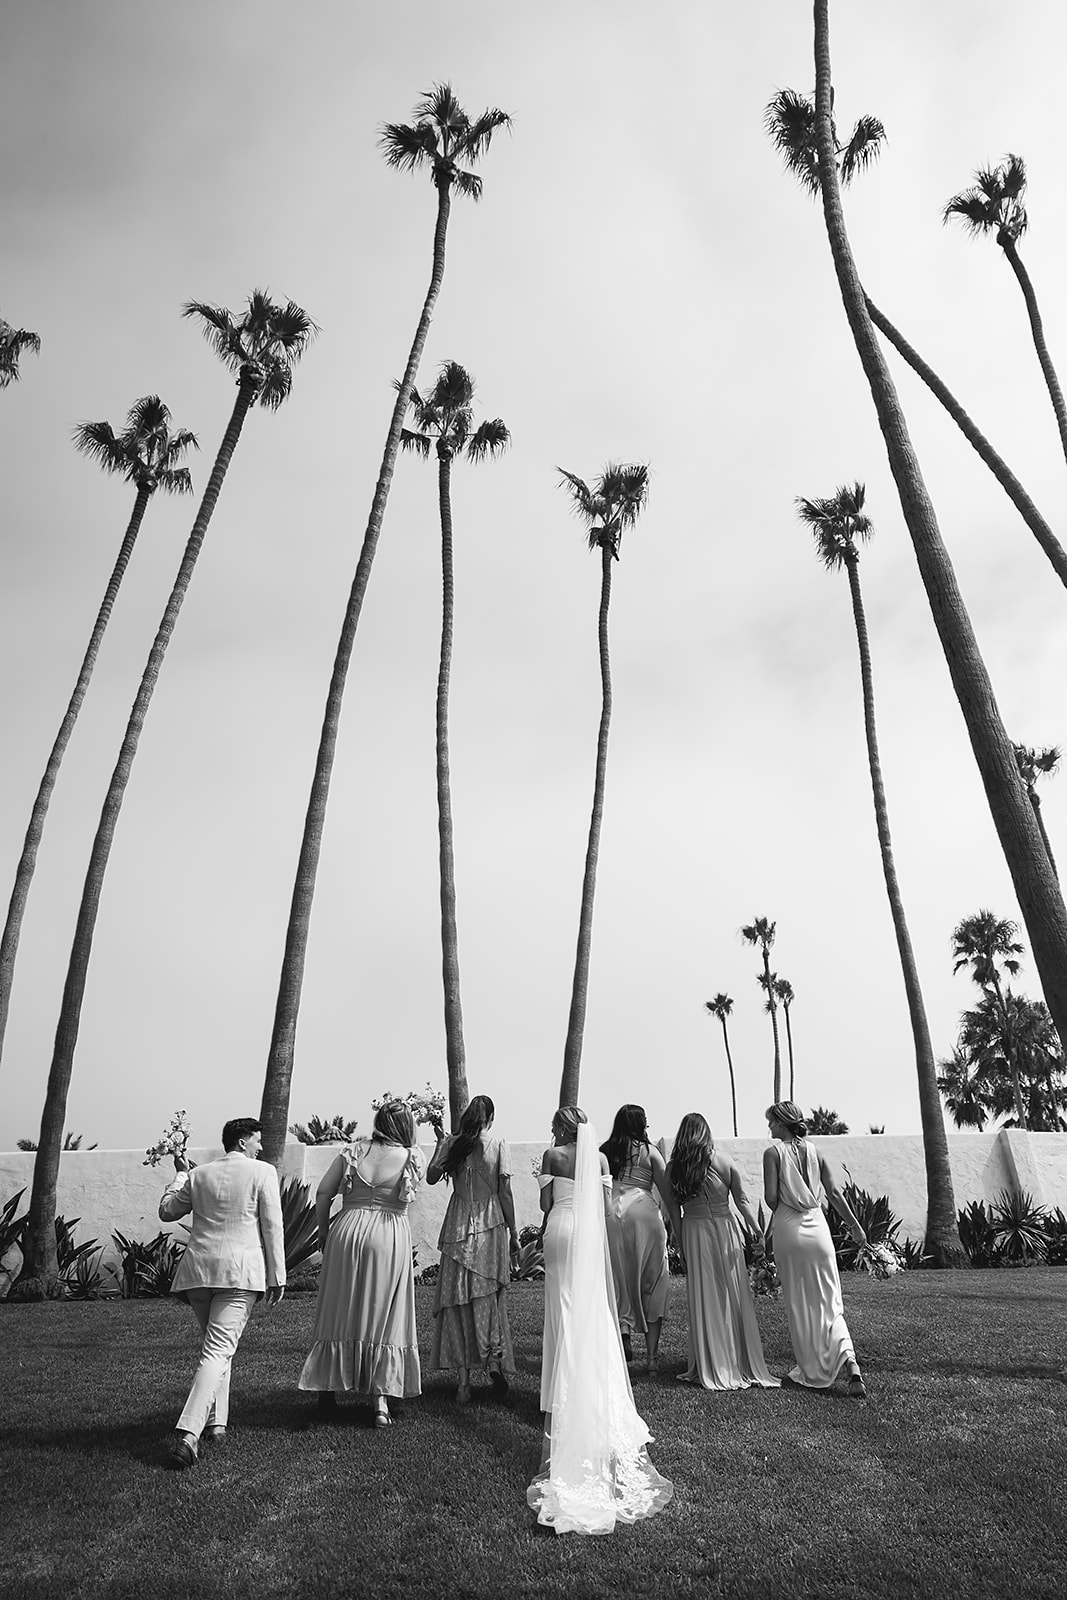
point(977, 1235)
point(1018, 1227)
point(299, 1223)
point(147, 1267)
point(1056, 1238)
point(877, 1219)
point(329, 1130)
point(85, 1279)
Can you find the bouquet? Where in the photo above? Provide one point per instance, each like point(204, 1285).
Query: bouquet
point(426, 1107)
point(880, 1260)
point(763, 1277)
point(175, 1141)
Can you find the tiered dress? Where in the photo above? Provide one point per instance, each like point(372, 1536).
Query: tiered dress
point(365, 1335)
point(725, 1349)
point(470, 1310)
point(638, 1242)
point(807, 1265)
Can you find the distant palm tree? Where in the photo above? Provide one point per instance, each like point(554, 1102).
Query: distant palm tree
point(1035, 883)
point(994, 205)
point(13, 341)
point(760, 932)
point(1034, 765)
point(325, 1130)
point(608, 506)
point(783, 994)
point(824, 1121)
point(989, 947)
point(71, 1141)
point(790, 121)
point(1035, 1048)
point(721, 1007)
point(839, 525)
point(444, 421)
point(147, 454)
point(261, 347)
point(440, 139)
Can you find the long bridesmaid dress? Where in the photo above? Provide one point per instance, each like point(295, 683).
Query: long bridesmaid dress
point(638, 1243)
point(725, 1349)
point(807, 1265)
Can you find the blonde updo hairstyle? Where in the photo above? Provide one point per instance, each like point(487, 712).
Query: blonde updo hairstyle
point(566, 1122)
point(789, 1114)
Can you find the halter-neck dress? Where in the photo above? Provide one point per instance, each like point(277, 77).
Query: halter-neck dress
point(807, 1265)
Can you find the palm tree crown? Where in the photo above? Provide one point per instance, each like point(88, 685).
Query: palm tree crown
point(980, 942)
point(146, 452)
point(13, 341)
point(612, 503)
point(994, 202)
point(790, 120)
point(837, 523)
point(760, 931)
point(446, 415)
point(442, 136)
point(1034, 764)
point(262, 346)
point(720, 1007)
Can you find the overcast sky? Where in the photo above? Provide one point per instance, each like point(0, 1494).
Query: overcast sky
point(641, 281)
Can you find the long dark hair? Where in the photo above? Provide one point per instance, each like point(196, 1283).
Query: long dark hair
point(629, 1128)
point(691, 1156)
point(477, 1117)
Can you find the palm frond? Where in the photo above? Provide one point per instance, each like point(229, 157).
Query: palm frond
point(862, 149)
point(406, 148)
point(440, 106)
point(789, 119)
point(421, 443)
point(98, 441)
point(175, 480)
point(276, 388)
point(220, 331)
point(581, 495)
point(176, 445)
point(490, 438)
point(973, 211)
point(468, 183)
point(476, 137)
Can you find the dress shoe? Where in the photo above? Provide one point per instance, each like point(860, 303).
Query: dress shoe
point(181, 1455)
point(214, 1434)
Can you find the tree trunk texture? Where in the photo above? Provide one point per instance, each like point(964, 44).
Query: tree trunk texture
point(38, 1278)
point(773, 1009)
point(572, 1053)
point(458, 1092)
point(942, 1234)
point(274, 1113)
point(1018, 496)
point(730, 1066)
point(1035, 801)
point(1052, 382)
point(789, 1049)
point(16, 910)
point(1036, 888)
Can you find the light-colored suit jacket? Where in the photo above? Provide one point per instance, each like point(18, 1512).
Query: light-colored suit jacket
point(237, 1240)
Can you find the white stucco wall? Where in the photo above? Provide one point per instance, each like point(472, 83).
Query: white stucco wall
point(113, 1190)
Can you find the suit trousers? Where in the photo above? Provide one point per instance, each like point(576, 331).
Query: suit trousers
point(222, 1315)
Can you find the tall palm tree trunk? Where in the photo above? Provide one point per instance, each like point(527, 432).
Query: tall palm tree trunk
point(995, 462)
point(942, 1235)
point(1035, 802)
point(1036, 888)
point(1052, 382)
point(39, 1276)
point(789, 1048)
point(773, 1009)
point(458, 1093)
point(730, 1069)
point(274, 1112)
point(1011, 1052)
point(572, 1051)
point(9, 943)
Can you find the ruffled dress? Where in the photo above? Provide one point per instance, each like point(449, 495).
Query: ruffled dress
point(365, 1337)
point(470, 1309)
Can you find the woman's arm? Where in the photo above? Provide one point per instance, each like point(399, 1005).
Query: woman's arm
point(839, 1203)
point(605, 1172)
point(324, 1196)
point(659, 1178)
point(744, 1206)
point(674, 1211)
point(770, 1177)
point(435, 1171)
point(548, 1161)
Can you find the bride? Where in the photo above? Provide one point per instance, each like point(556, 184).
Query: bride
point(595, 1469)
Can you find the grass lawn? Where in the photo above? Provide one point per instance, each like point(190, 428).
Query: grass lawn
point(950, 1480)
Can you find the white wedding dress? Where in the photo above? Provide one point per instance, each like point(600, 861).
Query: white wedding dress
point(596, 1470)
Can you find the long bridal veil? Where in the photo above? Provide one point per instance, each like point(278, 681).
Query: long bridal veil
point(597, 1470)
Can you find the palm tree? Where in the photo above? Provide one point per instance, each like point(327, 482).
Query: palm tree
point(13, 341)
point(445, 421)
point(71, 1141)
point(610, 505)
point(825, 1121)
point(784, 995)
point(147, 454)
point(1033, 765)
point(994, 204)
point(441, 138)
point(721, 1007)
point(1021, 1031)
point(760, 931)
point(790, 121)
point(989, 947)
point(1036, 887)
point(261, 348)
point(839, 525)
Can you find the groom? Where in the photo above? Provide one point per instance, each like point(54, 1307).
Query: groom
point(236, 1252)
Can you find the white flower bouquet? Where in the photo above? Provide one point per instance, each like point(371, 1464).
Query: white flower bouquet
point(427, 1106)
point(880, 1260)
point(763, 1277)
point(175, 1141)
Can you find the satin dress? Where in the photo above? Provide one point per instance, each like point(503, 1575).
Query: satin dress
point(807, 1265)
point(725, 1349)
point(637, 1239)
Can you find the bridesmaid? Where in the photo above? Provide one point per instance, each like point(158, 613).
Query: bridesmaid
point(795, 1180)
point(725, 1350)
point(365, 1336)
point(636, 1235)
point(470, 1326)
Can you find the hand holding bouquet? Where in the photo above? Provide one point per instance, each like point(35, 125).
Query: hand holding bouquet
point(880, 1260)
point(763, 1277)
point(175, 1142)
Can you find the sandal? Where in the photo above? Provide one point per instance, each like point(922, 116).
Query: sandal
point(857, 1389)
point(382, 1419)
point(463, 1394)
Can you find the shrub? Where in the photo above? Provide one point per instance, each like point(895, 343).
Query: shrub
point(299, 1224)
point(1056, 1236)
point(11, 1231)
point(1018, 1228)
point(877, 1219)
point(977, 1235)
point(147, 1268)
point(913, 1254)
point(325, 1130)
point(85, 1279)
point(67, 1251)
point(528, 1263)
